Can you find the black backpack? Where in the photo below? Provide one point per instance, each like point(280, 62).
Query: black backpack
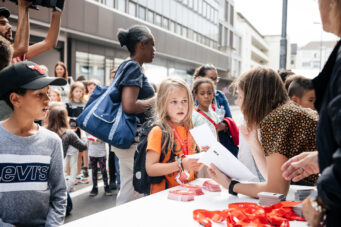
point(141, 180)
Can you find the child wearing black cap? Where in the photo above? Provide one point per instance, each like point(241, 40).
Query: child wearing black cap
point(32, 184)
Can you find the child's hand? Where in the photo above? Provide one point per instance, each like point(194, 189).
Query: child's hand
point(99, 141)
point(191, 164)
point(219, 176)
point(205, 148)
point(222, 127)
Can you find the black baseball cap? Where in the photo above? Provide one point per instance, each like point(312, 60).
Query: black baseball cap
point(26, 75)
point(4, 12)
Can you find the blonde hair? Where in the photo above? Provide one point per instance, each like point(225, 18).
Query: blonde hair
point(75, 85)
point(263, 92)
point(166, 87)
point(59, 98)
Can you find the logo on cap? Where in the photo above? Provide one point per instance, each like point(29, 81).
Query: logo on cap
point(36, 68)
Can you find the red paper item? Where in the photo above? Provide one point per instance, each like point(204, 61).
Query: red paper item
point(211, 186)
point(181, 195)
point(193, 188)
point(250, 214)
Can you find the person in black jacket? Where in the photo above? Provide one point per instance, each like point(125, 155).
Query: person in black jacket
point(328, 103)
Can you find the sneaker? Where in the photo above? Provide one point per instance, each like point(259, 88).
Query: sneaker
point(67, 178)
point(79, 176)
point(84, 180)
point(112, 185)
point(75, 182)
point(107, 191)
point(93, 192)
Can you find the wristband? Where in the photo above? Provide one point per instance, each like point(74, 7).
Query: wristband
point(179, 162)
point(232, 184)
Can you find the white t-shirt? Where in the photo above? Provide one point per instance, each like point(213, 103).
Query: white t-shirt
point(96, 148)
point(198, 119)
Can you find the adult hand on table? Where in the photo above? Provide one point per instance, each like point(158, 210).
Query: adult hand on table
point(301, 166)
point(219, 176)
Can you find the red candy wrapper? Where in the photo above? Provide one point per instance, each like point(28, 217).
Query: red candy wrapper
point(181, 195)
point(211, 186)
point(193, 188)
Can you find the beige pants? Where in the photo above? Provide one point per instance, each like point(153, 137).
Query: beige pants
point(126, 162)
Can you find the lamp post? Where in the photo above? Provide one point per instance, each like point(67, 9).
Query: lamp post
point(283, 43)
point(321, 43)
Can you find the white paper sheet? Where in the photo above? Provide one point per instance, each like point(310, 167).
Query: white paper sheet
point(219, 155)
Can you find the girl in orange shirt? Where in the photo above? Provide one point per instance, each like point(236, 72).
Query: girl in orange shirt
point(174, 107)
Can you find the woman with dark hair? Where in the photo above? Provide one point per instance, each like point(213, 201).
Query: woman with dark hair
point(137, 97)
point(327, 161)
point(60, 70)
point(286, 129)
point(220, 105)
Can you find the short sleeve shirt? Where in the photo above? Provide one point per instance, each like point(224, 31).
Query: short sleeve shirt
point(130, 74)
point(154, 143)
point(198, 119)
point(289, 130)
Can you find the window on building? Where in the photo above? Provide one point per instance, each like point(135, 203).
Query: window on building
point(195, 5)
point(110, 3)
point(195, 36)
point(200, 6)
point(204, 9)
point(208, 12)
point(142, 13)
point(165, 23)
point(172, 26)
point(121, 5)
point(231, 39)
point(178, 29)
point(150, 16)
point(226, 11)
point(190, 3)
point(184, 32)
point(232, 15)
point(157, 20)
point(190, 34)
point(109, 65)
point(132, 9)
point(220, 40)
point(226, 33)
point(90, 65)
point(306, 64)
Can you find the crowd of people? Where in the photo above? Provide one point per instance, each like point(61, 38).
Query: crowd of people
point(291, 126)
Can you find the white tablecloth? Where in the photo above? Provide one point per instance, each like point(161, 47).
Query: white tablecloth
point(156, 210)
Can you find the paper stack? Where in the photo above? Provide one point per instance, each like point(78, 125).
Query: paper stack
point(298, 209)
point(269, 198)
point(301, 194)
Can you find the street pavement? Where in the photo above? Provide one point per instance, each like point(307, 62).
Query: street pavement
point(84, 205)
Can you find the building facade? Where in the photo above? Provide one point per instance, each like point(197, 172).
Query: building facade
point(186, 36)
point(255, 49)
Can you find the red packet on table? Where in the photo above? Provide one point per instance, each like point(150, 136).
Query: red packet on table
point(181, 195)
point(211, 186)
point(192, 188)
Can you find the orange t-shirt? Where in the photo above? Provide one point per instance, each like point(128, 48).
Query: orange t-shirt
point(154, 143)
